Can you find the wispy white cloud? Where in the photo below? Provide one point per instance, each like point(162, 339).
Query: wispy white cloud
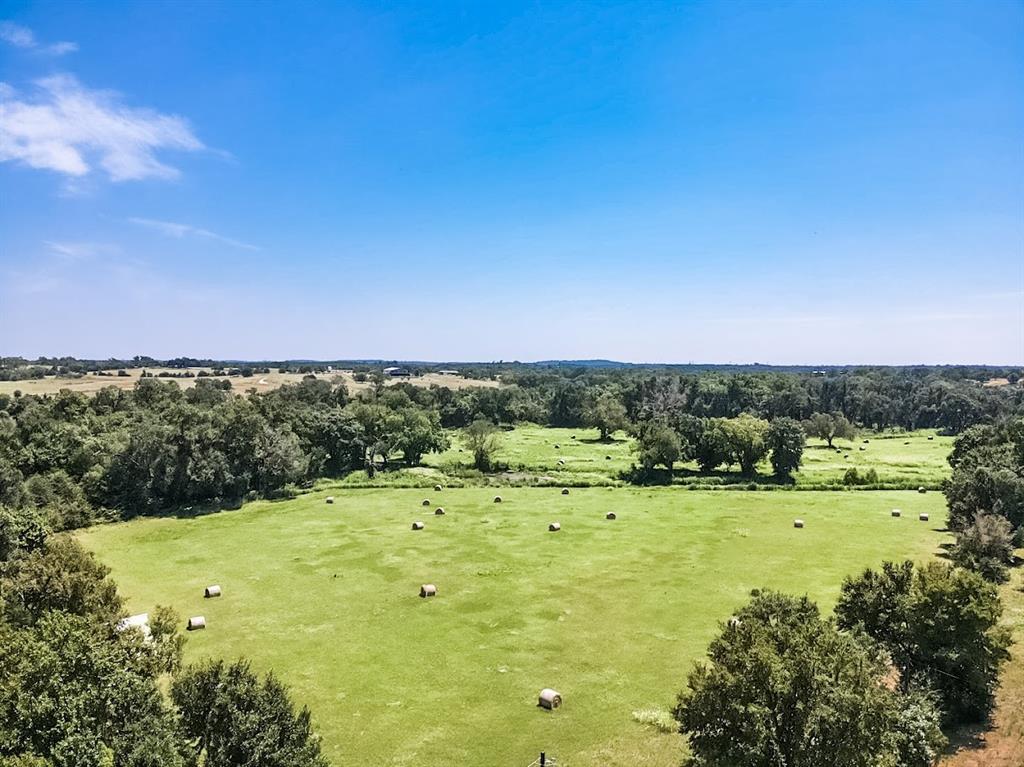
point(172, 229)
point(22, 37)
point(79, 250)
point(68, 128)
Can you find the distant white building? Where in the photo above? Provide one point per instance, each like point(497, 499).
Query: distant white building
point(448, 372)
point(397, 372)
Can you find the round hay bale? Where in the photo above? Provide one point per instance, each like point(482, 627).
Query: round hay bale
point(439, 512)
point(497, 499)
point(549, 699)
point(554, 527)
point(895, 512)
point(607, 457)
point(930, 437)
point(561, 462)
point(196, 623)
point(862, 448)
point(798, 523)
point(557, 447)
point(417, 525)
point(610, 515)
point(866, 441)
point(573, 437)
point(437, 488)
point(426, 502)
point(565, 491)
point(906, 443)
point(923, 517)
point(329, 499)
point(211, 591)
point(428, 590)
point(922, 489)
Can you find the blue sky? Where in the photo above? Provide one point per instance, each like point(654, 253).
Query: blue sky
point(826, 182)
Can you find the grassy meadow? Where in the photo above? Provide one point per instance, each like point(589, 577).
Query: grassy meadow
point(532, 454)
point(612, 613)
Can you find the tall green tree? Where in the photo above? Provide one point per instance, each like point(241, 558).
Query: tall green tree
point(785, 439)
point(783, 687)
point(829, 427)
point(236, 719)
point(940, 624)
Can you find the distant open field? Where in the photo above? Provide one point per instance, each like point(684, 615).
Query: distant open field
point(90, 384)
point(612, 613)
point(911, 459)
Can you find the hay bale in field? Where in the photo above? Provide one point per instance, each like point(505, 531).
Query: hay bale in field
point(417, 525)
point(561, 462)
point(549, 699)
point(196, 623)
point(930, 437)
point(922, 489)
point(426, 502)
point(923, 517)
point(439, 512)
point(573, 437)
point(862, 448)
point(895, 512)
point(329, 499)
point(428, 590)
point(557, 447)
point(906, 443)
point(607, 457)
point(610, 515)
point(211, 591)
point(798, 523)
point(565, 491)
point(497, 499)
point(554, 527)
point(866, 441)
point(437, 488)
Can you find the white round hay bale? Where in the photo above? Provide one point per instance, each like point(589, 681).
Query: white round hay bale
point(211, 591)
point(862, 448)
point(922, 489)
point(610, 515)
point(196, 623)
point(573, 437)
point(428, 590)
point(439, 512)
point(554, 527)
point(866, 441)
point(930, 437)
point(557, 447)
point(437, 488)
point(329, 499)
point(561, 462)
point(497, 499)
point(417, 525)
point(426, 502)
point(895, 512)
point(798, 523)
point(923, 517)
point(565, 491)
point(549, 698)
point(607, 457)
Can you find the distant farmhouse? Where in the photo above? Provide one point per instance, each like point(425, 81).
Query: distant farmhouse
point(448, 372)
point(397, 372)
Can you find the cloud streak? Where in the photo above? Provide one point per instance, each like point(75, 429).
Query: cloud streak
point(180, 231)
point(73, 130)
point(22, 37)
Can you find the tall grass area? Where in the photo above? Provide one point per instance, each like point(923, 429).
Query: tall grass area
point(612, 613)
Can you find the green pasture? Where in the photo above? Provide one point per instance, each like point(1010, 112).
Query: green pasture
point(532, 454)
point(612, 613)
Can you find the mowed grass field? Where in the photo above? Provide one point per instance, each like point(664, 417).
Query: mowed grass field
point(910, 459)
point(612, 613)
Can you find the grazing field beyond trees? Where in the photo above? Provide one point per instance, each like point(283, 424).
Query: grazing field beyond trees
point(611, 613)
